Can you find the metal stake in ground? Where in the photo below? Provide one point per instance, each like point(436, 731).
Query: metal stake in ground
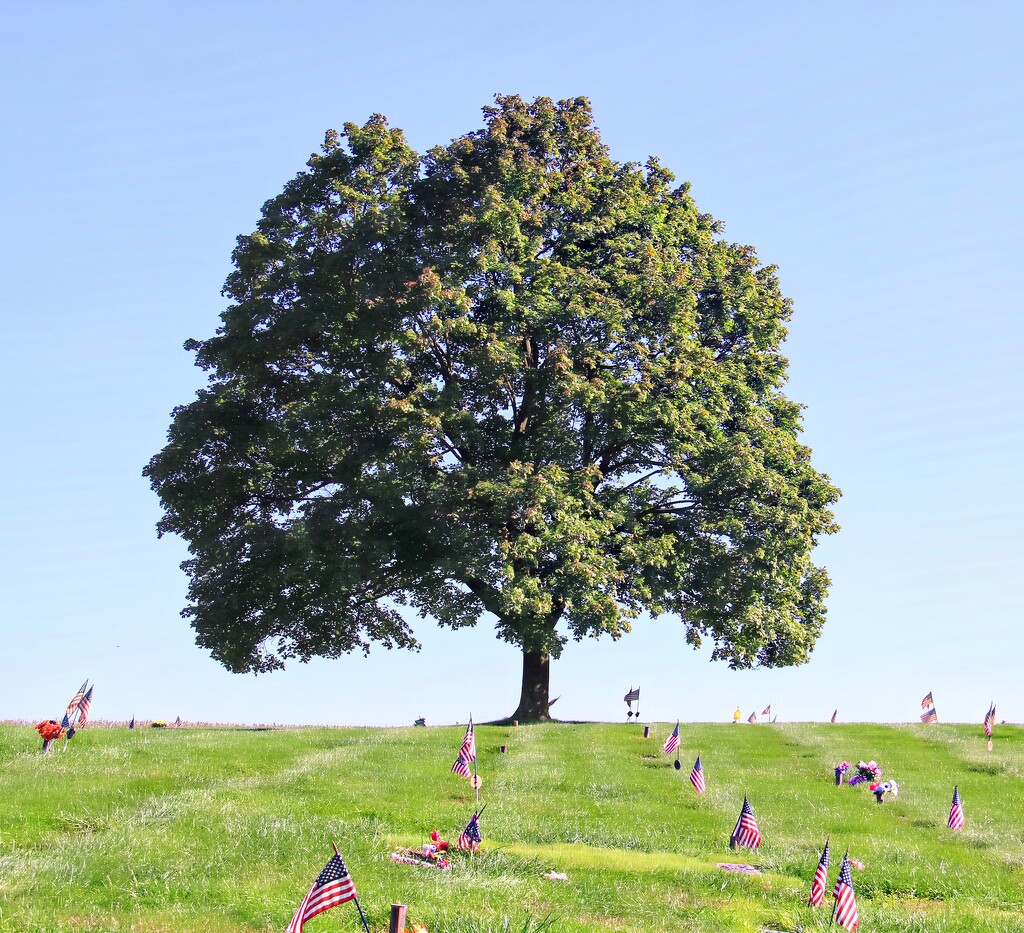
point(362, 916)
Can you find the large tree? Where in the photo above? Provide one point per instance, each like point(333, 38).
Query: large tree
point(511, 378)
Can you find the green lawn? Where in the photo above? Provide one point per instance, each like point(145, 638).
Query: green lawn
point(223, 830)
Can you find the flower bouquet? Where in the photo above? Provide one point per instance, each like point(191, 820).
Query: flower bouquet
point(880, 789)
point(841, 770)
point(49, 730)
point(866, 771)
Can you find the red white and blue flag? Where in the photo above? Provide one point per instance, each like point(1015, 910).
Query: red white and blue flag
point(470, 837)
point(697, 777)
point(846, 902)
point(83, 709)
point(76, 699)
point(672, 742)
point(820, 883)
point(956, 811)
point(467, 754)
point(929, 715)
point(745, 833)
point(990, 720)
point(332, 887)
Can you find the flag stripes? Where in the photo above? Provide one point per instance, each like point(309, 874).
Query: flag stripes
point(846, 901)
point(470, 837)
point(332, 887)
point(956, 811)
point(820, 883)
point(746, 832)
point(467, 753)
point(697, 777)
point(83, 709)
point(990, 720)
point(672, 742)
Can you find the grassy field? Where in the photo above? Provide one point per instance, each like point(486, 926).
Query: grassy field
point(223, 830)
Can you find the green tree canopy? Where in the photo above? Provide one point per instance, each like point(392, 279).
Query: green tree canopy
point(511, 376)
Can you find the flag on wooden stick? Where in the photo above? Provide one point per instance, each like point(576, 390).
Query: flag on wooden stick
point(820, 883)
point(745, 833)
point(332, 887)
point(927, 701)
point(846, 901)
point(929, 715)
point(956, 811)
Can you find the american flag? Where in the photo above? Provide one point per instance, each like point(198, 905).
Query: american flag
point(470, 837)
point(697, 777)
point(834, 715)
point(633, 696)
point(930, 715)
point(77, 698)
point(990, 720)
point(332, 887)
point(131, 725)
point(177, 723)
point(846, 903)
point(467, 754)
point(83, 709)
point(927, 701)
point(956, 811)
point(820, 883)
point(767, 711)
point(745, 833)
point(672, 742)
point(752, 717)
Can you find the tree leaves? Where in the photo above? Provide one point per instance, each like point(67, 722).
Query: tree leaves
point(510, 376)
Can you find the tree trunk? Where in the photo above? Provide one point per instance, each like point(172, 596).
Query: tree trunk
point(533, 701)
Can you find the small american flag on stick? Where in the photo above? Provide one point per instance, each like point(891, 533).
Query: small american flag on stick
point(927, 701)
point(77, 698)
point(956, 811)
point(846, 902)
point(470, 837)
point(467, 754)
point(990, 720)
point(746, 833)
point(929, 715)
point(820, 883)
point(332, 887)
point(83, 709)
point(672, 742)
point(697, 777)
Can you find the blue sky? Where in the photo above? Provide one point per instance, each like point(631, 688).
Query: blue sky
point(872, 153)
